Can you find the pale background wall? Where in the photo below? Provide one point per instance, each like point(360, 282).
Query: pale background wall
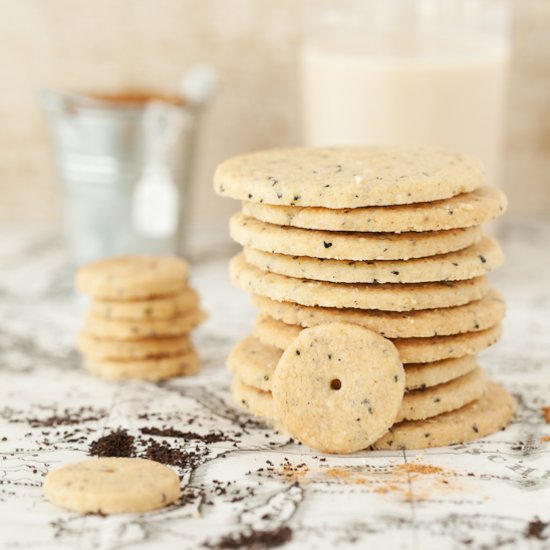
point(116, 44)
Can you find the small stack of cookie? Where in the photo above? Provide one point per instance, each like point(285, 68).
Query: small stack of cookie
point(142, 313)
point(388, 239)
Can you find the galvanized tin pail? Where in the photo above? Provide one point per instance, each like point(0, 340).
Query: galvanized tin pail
point(124, 169)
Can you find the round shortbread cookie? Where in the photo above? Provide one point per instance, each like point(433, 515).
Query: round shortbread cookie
point(487, 415)
point(152, 370)
point(338, 387)
point(421, 404)
point(98, 348)
point(437, 348)
point(348, 246)
point(466, 210)
point(254, 364)
point(419, 376)
point(411, 350)
point(133, 277)
point(416, 405)
point(100, 327)
point(474, 261)
point(141, 310)
point(482, 417)
point(348, 177)
point(112, 486)
point(259, 403)
point(477, 315)
point(389, 297)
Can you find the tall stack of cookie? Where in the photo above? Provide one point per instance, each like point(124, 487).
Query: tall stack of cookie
point(142, 313)
point(384, 238)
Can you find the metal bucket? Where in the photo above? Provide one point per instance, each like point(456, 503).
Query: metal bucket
point(124, 170)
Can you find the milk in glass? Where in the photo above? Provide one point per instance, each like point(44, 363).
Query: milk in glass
point(413, 76)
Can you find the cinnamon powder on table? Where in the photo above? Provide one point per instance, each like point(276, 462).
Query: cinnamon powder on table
point(415, 468)
point(430, 480)
point(136, 98)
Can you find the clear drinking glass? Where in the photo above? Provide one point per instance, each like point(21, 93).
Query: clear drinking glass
point(408, 72)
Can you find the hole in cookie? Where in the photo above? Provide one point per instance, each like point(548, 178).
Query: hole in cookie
point(335, 384)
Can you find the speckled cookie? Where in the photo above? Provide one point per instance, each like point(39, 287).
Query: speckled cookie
point(477, 315)
point(411, 350)
point(153, 370)
point(98, 348)
point(141, 310)
point(473, 261)
point(465, 210)
point(259, 403)
point(133, 277)
point(436, 348)
point(416, 405)
point(491, 413)
point(421, 404)
point(348, 246)
point(254, 364)
point(389, 297)
point(348, 177)
point(480, 418)
point(419, 376)
point(112, 486)
point(338, 387)
point(100, 327)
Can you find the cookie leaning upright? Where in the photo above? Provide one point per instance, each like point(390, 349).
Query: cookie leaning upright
point(385, 238)
point(338, 387)
point(143, 311)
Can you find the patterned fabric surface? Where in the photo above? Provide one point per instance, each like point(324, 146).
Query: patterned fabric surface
point(244, 485)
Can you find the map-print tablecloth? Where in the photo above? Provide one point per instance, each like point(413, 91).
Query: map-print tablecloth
point(244, 485)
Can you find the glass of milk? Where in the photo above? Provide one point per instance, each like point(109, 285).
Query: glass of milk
point(407, 72)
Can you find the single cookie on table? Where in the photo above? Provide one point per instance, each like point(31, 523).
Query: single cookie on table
point(474, 261)
point(254, 364)
point(99, 348)
point(153, 370)
point(133, 277)
point(275, 333)
point(100, 327)
point(152, 309)
point(348, 177)
point(338, 387)
point(386, 297)
point(493, 412)
point(465, 210)
point(348, 246)
point(477, 315)
point(421, 404)
point(112, 486)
